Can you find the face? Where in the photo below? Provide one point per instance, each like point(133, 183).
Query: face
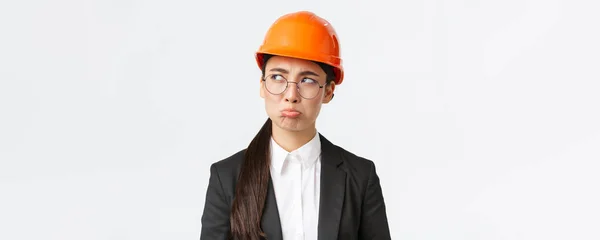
point(289, 110)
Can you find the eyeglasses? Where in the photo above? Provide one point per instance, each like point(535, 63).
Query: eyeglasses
point(307, 88)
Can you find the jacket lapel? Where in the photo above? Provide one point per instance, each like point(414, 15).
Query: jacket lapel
point(270, 222)
point(333, 184)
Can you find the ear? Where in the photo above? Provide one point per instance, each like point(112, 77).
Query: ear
point(329, 89)
point(262, 88)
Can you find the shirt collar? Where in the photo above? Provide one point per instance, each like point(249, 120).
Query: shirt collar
point(308, 154)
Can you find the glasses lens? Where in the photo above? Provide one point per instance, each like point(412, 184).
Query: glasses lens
point(309, 88)
point(275, 84)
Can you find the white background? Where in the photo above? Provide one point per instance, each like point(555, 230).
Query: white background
point(482, 116)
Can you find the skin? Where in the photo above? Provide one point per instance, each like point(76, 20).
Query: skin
point(288, 131)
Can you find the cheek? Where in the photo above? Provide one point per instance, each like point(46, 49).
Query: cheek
point(313, 108)
point(271, 103)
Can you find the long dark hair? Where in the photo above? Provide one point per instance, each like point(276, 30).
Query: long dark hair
point(253, 180)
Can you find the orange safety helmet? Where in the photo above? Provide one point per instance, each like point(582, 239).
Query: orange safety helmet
point(306, 36)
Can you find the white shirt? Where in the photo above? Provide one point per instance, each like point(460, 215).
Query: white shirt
point(296, 182)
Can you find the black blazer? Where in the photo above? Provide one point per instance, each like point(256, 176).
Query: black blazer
point(351, 205)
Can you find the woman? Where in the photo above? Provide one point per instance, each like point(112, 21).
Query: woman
point(291, 182)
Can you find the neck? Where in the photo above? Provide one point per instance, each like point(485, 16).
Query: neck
point(291, 141)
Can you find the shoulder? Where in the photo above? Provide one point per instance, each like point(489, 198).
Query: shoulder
point(231, 160)
point(353, 159)
point(354, 164)
point(230, 165)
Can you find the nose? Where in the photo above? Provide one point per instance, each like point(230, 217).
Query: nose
point(291, 93)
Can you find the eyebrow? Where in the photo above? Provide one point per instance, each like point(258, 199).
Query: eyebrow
point(305, 73)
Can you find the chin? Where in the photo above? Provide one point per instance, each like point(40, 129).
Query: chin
point(291, 124)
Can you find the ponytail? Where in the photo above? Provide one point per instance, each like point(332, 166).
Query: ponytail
point(251, 188)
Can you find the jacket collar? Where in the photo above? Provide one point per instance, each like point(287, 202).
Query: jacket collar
point(333, 186)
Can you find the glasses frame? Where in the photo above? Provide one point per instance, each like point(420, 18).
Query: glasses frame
point(264, 79)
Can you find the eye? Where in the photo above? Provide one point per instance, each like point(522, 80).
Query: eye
point(276, 77)
point(309, 81)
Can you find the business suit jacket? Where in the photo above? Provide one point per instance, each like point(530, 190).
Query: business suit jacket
point(351, 201)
